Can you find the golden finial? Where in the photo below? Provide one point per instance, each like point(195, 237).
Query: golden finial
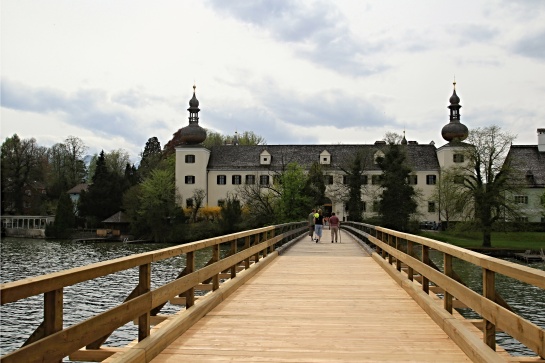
point(454, 83)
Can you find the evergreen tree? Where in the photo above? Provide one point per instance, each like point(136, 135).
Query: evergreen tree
point(151, 156)
point(104, 196)
point(397, 201)
point(231, 215)
point(294, 204)
point(64, 217)
point(354, 177)
point(315, 187)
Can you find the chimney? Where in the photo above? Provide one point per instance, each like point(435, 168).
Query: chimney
point(541, 140)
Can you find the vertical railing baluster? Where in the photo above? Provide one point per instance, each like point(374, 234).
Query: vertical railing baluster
point(144, 286)
point(426, 260)
point(190, 268)
point(257, 241)
point(215, 258)
point(232, 252)
point(489, 292)
point(410, 252)
point(447, 263)
point(246, 246)
point(53, 310)
point(398, 248)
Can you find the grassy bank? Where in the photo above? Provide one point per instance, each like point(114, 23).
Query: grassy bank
point(507, 240)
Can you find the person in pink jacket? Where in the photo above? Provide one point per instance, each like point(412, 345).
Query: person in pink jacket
point(334, 226)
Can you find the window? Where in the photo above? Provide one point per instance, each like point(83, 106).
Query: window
point(236, 179)
point(521, 199)
point(190, 179)
point(375, 179)
point(458, 158)
point(189, 202)
point(328, 179)
point(345, 179)
point(264, 180)
point(364, 179)
point(431, 179)
point(221, 203)
point(222, 179)
point(412, 179)
point(364, 206)
point(190, 159)
point(431, 207)
point(265, 159)
point(250, 179)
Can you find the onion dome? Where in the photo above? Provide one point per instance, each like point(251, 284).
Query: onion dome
point(193, 134)
point(454, 130)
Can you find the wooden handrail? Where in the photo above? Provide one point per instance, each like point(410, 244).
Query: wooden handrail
point(494, 314)
point(54, 343)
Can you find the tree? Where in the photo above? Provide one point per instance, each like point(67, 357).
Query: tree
point(66, 166)
point(293, 203)
point(315, 187)
point(151, 156)
point(158, 208)
point(116, 160)
point(65, 218)
point(198, 198)
point(249, 138)
point(447, 193)
point(22, 162)
point(104, 196)
point(259, 203)
point(488, 178)
point(397, 201)
point(231, 214)
point(354, 176)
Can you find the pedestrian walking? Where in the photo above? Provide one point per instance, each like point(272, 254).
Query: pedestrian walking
point(334, 224)
point(318, 225)
point(311, 224)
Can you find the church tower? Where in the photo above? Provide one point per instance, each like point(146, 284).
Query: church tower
point(454, 132)
point(191, 158)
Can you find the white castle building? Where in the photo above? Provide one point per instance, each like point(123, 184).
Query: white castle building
point(221, 170)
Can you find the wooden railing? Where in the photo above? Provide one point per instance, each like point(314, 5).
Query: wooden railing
point(410, 254)
point(51, 342)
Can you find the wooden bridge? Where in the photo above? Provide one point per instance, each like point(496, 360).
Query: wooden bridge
point(273, 295)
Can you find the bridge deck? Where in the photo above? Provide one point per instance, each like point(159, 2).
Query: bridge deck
point(316, 303)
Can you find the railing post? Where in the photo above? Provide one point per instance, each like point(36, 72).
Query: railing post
point(144, 286)
point(447, 300)
point(426, 260)
point(257, 241)
point(233, 251)
point(410, 248)
point(215, 258)
point(246, 246)
point(190, 268)
point(398, 261)
point(53, 304)
point(489, 292)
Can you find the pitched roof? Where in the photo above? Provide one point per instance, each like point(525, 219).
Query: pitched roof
point(119, 217)
point(244, 157)
point(78, 188)
point(527, 158)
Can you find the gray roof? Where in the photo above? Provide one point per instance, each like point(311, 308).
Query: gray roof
point(527, 158)
point(119, 217)
point(78, 188)
point(244, 157)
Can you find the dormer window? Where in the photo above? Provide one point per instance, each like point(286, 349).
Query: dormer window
point(265, 158)
point(325, 158)
point(378, 154)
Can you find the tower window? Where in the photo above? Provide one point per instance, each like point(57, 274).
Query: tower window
point(190, 159)
point(222, 179)
point(431, 179)
point(190, 179)
point(458, 158)
point(236, 179)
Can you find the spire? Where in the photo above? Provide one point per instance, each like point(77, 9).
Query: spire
point(193, 134)
point(404, 140)
point(455, 130)
point(194, 108)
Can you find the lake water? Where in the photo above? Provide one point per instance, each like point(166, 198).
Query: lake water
point(21, 258)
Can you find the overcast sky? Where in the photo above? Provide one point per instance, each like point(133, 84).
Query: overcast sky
point(115, 73)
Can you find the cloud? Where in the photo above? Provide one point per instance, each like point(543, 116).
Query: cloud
point(532, 46)
point(476, 33)
point(87, 108)
point(318, 32)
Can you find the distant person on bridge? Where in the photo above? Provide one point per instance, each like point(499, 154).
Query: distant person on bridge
point(334, 226)
point(318, 225)
point(311, 224)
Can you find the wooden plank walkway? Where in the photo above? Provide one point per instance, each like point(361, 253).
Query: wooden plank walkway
point(317, 303)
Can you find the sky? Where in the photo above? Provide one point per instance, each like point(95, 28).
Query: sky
point(116, 73)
